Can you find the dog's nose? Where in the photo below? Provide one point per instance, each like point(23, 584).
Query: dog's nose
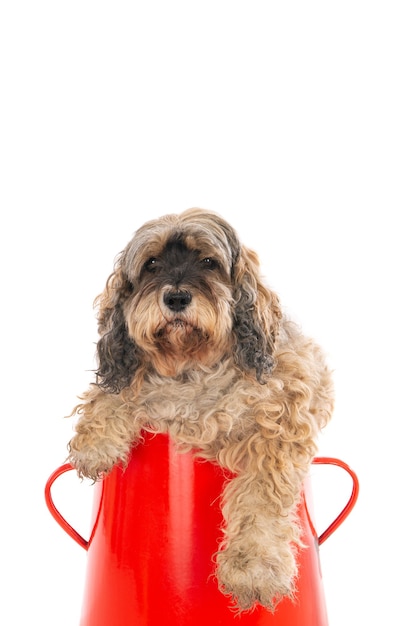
point(177, 300)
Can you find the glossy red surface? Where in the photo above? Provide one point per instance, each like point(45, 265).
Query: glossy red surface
point(149, 557)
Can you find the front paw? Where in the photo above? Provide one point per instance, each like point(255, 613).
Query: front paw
point(251, 579)
point(92, 460)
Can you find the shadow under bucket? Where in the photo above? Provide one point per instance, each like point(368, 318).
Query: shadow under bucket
point(150, 554)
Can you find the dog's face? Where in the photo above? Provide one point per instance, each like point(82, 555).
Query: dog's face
point(179, 312)
point(184, 294)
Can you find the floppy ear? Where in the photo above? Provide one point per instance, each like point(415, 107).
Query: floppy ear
point(257, 316)
point(117, 354)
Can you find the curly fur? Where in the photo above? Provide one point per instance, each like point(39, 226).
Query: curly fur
point(194, 344)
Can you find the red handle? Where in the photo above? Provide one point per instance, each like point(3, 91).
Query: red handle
point(54, 511)
point(351, 502)
point(318, 461)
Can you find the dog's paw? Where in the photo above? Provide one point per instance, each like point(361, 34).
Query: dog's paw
point(93, 462)
point(255, 580)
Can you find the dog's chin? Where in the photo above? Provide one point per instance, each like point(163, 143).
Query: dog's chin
point(179, 346)
point(181, 338)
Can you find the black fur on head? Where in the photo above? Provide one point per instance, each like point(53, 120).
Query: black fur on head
point(118, 355)
point(256, 319)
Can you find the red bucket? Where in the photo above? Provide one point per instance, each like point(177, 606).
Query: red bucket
point(156, 528)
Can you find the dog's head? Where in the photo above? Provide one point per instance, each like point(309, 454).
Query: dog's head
point(184, 293)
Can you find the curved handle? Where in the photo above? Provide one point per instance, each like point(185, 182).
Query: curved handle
point(54, 511)
point(325, 460)
point(317, 461)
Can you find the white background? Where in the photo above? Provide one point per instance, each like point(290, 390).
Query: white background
point(294, 120)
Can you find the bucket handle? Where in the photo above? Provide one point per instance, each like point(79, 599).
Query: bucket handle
point(58, 517)
point(325, 460)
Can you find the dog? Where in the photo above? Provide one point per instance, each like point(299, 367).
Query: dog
point(192, 343)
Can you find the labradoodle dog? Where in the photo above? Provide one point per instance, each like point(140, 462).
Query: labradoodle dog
point(194, 344)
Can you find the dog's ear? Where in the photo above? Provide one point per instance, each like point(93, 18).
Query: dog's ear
point(257, 317)
point(117, 354)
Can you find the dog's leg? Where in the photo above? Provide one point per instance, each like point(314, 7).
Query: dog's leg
point(105, 432)
point(257, 559)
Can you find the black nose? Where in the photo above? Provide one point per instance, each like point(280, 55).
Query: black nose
point(177, 300)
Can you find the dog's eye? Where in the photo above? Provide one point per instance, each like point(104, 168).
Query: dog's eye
point(151, 264)
point(209, 263)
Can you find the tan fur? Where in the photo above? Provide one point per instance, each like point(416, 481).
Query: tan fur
point(195, 381)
